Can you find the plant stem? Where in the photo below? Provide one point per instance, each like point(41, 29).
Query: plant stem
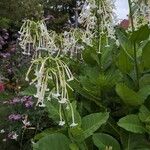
point(22, 136)
point(65, 117)
point(134, 46)
point(76, 16)
point(98, 34)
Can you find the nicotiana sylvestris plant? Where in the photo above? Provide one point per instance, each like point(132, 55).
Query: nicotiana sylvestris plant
point(97, 18)
point(49, 68)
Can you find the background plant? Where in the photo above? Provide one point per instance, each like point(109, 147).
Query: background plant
point(110, 96)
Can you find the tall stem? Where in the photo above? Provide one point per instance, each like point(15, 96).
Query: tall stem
point(98, 34)
point(134, 46)
point(76, 16)
point(65, 117)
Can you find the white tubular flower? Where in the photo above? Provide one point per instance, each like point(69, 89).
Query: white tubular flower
point(61, 123)
point(56, 95)
point(63, 101)
point(26, 39)
point(70, 42)
point(141, 15)
point(73, 118)
point(73, 124)
point(98, 15)
point(88, 19)
point(2, 131)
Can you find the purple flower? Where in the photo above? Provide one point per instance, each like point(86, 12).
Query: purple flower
point(24, 99)
point(29, 104)
point(5, 55)
point(15, 100)
point(27, 101)
point(14, 117)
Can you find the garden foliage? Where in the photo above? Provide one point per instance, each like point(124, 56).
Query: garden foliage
point(94, 90)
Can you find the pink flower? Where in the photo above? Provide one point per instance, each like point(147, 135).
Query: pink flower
point(125, 24)
point(2, 88)
point(12, 135)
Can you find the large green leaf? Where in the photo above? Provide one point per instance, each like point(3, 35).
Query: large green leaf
point(144, 114)
point(145, 80)
point(124, 63)
point(125, 43)
point(141, 34)
point(53, 112)
point(90, 124)
point(48, 131)
point(54, 141)
point(123, 38)
point(132, 141)
point(132, 123)
point(144, 92)
point(128, 96)
point(90, 56)
point(145, 56)
point(102, 141)
point(79, 89)
point(53, 109)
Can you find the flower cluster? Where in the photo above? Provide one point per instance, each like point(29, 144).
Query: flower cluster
point(47, 65)
point(18, 117)
point(27, 101)
point(70, 42)
point(14, 117)
point(141, 15)
point(88, 19)
point(98, 15)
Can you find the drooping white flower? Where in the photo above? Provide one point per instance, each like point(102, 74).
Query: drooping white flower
point(2, 131)
point(61, 123)
point(50, 68)
point(73, 124)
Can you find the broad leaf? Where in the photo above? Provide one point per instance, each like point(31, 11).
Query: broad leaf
point(132, 141)
point(144, 92)
point(90, 56)
point(144, 114)
point(141, 34)
point(123, 38)
point(128, 96)
point(145, 80)
point(54, 141)
point(102, 141)
point(53, 109)
point(145, 56)
point(90, 124)
point(124, 63)
point(132, 123)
